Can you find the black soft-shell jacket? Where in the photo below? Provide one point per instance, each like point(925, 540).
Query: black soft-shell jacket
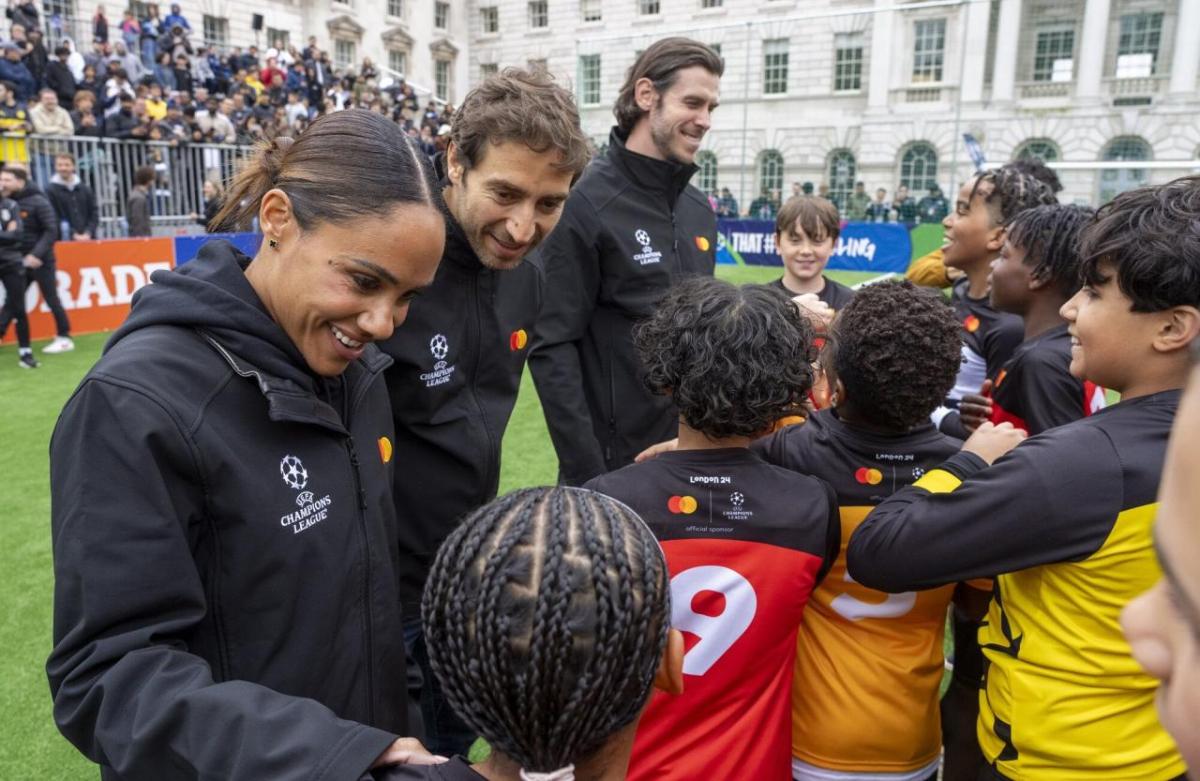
point(453, 384)
point(39, 223)
point(631, 228)
point(224, 545)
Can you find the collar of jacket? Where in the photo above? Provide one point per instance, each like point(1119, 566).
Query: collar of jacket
point(288, 402)
point(664, 176)
point(458, 248)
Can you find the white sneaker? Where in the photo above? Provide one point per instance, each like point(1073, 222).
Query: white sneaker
point(61, 344)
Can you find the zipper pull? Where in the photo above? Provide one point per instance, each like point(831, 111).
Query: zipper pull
point(362, 495)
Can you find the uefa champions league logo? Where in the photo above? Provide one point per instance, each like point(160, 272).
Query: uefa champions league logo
point(643, 238)
point(439, 346)
point(737, 500)
point(293, 472)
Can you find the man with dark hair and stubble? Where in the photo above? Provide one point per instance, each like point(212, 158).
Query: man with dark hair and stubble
point(631, 228)
point(515, 149)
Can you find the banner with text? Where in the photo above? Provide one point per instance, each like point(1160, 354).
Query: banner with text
point(862, 246)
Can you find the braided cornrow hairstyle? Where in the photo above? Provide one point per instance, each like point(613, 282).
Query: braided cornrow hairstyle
point(1050, 237)
point(546, 613)
point(1013, 190)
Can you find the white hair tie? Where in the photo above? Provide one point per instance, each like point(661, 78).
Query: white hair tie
point(562, 774)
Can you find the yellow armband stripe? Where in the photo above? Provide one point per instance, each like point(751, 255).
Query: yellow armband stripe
point(938, 481)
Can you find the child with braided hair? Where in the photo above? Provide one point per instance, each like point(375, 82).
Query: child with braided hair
point(746, 542)
point(547, 616)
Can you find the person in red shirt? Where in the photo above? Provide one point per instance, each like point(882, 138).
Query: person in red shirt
point(746, 542)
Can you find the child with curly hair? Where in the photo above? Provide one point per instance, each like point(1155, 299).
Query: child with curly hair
point(746, 542)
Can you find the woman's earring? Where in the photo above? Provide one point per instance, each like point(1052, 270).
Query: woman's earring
point(273, 244)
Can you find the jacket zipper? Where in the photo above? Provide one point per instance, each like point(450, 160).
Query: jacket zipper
point(474, 390)
point(366, 554)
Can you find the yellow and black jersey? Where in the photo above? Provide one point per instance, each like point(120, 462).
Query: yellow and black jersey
point(14, 123)
point(863, 656)
point(1064, 521)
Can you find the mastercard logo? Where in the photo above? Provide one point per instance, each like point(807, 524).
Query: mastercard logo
point(702, 243)
point(518, 339)
point(682, 505)
point(385, 449)
point(868, 476)
point(971, 324)
point(1000, 377)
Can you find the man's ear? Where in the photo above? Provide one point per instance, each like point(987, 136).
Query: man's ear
point(1179, 327)
point(454, 168)
point(1037, 284)
point(644, 94)
point(669, 677)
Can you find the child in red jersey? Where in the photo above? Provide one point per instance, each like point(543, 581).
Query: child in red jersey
point(746, 542)
point(1036, 273)
point(974, 236)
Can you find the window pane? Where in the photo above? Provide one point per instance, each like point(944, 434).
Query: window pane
point(929, 48)
point(711, 3)
point(918, 167)
point(842, 167)
point(343, 53)
point(490, 19)
point(395, 7)
point(398, 61)
point(441, 15)
point(539, 13)
point(1140, 34)
point(589, 79)
point(591, 10)
point(488, 69)
point(648, 7)
point(441, 79)
point(847, 61)
point(707, 178)
point(770, 172)
point(1052, 45)
point(216, 30)
point(1040, 149)
point(775, 66)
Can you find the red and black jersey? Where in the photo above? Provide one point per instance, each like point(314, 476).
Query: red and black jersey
point(746, 544)
point(1035, 390)
point(991, 334)
point(835, 294)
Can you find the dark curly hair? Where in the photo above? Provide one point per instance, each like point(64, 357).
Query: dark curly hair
point(1037, 168)
point(1150, 238)
point(733, 359)
point(899, 348)
point(1050, 237)
point(1013, 191)
point(546, 613)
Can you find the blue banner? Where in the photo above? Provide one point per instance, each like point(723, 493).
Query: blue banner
point(862, 246)
point(187, 247)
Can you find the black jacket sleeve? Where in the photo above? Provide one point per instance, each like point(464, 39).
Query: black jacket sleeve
point(126, 490)
point(571, 265)
point(1035, 505)
point(48, 221)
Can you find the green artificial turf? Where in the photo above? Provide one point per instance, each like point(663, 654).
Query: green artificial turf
point(29, 405)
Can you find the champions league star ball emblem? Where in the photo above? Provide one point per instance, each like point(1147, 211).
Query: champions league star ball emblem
point(736, 499)
point(293, 472)
point(918, 472)
point(439, 346)
point(642, 237)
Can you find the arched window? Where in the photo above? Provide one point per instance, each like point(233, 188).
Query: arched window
point(770, 173)
point(707, 180)
point(1114, 181)
point(1039, 148)
point(918, 167)
point(842, 168)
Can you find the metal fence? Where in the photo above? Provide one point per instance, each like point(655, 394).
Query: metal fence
point(106, 165)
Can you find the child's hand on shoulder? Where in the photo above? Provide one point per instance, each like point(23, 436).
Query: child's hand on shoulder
point(816, 310)
point(990, 441)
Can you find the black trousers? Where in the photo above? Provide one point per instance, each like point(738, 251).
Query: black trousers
point(44, 275)
point(13, 277)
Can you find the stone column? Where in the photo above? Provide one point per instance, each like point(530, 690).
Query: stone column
point(1090, 50)
point(883, 25)
point(1185, 64)
point(976, 18)
point(1008, 35)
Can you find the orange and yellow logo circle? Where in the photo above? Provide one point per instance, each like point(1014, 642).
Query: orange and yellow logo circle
point(971, 323)
point(868, 476)
point(385, 449)
point(682, 505)
point(702, 243)
point(518, 340)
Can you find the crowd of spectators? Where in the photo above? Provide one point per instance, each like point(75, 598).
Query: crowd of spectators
point(154, 82)
point(856, 206)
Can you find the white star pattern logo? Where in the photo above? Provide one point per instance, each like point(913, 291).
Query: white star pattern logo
point(293, 472)
point(736, 499)
point(439, 346)
point(642, 237)
point(918, 473)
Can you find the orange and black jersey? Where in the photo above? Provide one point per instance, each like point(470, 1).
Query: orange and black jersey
point(862, 656)
point(1035, 390)
point(835, 294)
point(1064, 521)
point(746, 543)
point(989, 333)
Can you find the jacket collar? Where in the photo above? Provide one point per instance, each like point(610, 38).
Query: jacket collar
point(458, 248)
point(662, 176)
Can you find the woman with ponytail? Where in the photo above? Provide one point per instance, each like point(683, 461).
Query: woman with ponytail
point(547, 616)
point(226, 600)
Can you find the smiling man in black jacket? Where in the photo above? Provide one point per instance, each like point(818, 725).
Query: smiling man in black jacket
point(516, 148)
point(630, 229)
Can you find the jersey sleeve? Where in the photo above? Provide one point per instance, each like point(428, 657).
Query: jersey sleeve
point(928, 270)
point(1053, 498)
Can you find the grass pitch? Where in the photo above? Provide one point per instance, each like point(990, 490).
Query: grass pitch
point(29, 405)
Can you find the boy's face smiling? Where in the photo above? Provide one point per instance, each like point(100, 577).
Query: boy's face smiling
point(972, 236)
point(1109, 341)
point(804, 258)
point(1163, 625)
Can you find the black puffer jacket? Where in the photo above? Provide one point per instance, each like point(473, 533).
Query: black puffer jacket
point(224, 547)
point(631, 228)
